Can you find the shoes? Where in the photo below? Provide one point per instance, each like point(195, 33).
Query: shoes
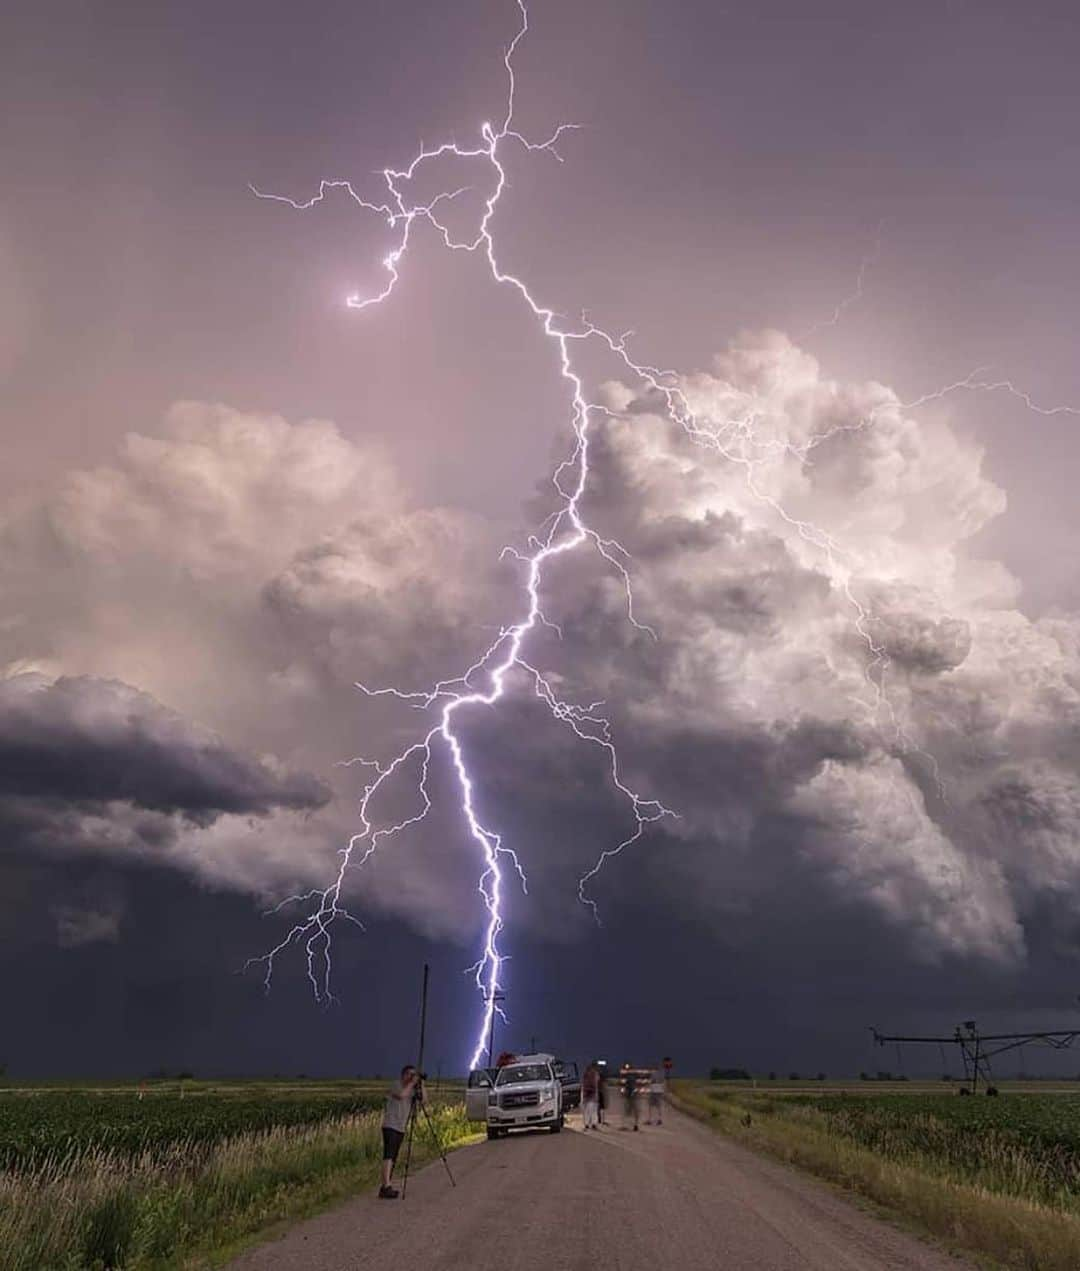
point(635, 1129)
point(388, 1193)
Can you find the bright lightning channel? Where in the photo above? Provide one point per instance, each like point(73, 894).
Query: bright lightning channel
point(733, 437)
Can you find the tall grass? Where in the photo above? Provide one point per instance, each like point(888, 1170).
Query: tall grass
point(998, 1157)
point(99, 1209)
point(1008, 1203)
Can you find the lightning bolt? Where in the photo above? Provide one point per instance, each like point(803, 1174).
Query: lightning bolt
point(732, 434)
point(566, 532)
point(868, 261)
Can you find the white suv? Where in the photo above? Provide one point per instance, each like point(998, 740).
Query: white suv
point(525, 1093)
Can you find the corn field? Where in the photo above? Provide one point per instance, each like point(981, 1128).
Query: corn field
point(103, 1181)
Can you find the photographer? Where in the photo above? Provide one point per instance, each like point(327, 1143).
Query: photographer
point(399, 1102)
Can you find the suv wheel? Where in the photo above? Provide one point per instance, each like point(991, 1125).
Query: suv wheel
point(492, 1132)
point(556, 1125)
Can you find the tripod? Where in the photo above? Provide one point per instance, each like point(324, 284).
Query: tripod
point(418, 1106)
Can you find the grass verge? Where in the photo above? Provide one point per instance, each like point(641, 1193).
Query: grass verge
point(98, 1210)
point(1002, 1230)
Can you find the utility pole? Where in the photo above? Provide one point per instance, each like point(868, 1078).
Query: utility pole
point(975, 1066)
point(494, 997)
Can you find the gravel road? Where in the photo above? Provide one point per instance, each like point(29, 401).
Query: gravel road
point(676, 1196)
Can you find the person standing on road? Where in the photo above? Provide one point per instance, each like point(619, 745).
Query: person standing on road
point(399, 1101)
point(657, 1090)
point(590, 1096)
point(601, 1094)
point(629, 1082)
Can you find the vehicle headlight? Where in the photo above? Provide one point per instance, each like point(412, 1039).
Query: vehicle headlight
point(493, 1100)
point(547, 1092)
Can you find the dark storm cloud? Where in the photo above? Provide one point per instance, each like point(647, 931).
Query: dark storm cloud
point(809, 819)
point(82, 741)
point(779, 724)
point(244, 570)
point(760, 703)
point(98, 768)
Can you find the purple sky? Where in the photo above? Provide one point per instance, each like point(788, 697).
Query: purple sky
point(735, 164)
point(735, 168)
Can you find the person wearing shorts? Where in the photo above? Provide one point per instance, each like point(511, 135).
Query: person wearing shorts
point(399, 1100)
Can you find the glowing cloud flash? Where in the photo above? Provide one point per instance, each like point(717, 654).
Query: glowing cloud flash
point(733, 436)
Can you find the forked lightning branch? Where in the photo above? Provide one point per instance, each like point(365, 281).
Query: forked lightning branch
point(508, 664)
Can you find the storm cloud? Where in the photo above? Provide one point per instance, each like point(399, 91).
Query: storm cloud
point(837, 686)
point(84, 741)
point(97, 768)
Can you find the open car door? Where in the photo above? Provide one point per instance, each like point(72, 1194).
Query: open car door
point(476, 1094)
point(567, 1073)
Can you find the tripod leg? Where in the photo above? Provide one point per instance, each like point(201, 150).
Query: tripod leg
point(438, 1143)
point(408, 1148)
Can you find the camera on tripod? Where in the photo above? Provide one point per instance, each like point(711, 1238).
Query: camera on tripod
point(418, 1105)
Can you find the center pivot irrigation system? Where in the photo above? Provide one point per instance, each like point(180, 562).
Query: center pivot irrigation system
point(977, 1049)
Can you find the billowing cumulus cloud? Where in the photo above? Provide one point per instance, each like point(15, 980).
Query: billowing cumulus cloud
point(240, 571)
point(149, 569)
point(229, 563)
point(819, 570)
point(838, 685)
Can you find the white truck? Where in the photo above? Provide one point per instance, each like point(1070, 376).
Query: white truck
point(523, 1095)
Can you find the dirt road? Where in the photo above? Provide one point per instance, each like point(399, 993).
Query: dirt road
point(676, 1196)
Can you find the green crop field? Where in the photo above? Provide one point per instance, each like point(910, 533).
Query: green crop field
point(133, 1176)
point(1000, 1176)
point(38, 1125)
point(1023, 1144)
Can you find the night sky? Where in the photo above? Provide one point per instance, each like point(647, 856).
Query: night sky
point(225, 498)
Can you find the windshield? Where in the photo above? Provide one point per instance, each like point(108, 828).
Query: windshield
point(523, 1072)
